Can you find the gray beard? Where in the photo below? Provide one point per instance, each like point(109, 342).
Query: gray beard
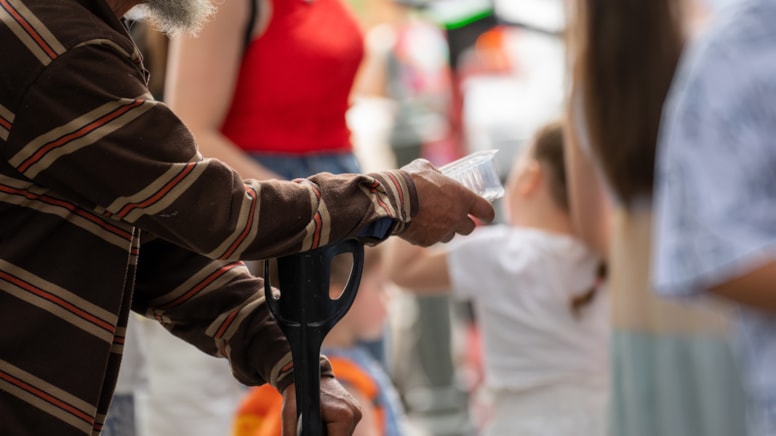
point(178, 16)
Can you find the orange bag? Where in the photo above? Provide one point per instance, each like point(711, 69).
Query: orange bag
point(259, 413)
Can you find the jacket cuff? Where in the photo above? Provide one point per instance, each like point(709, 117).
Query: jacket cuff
point(283, 374)
point(401, 192)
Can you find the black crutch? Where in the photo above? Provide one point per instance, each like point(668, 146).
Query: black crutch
point(306, 313)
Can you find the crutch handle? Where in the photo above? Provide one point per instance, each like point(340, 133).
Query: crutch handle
point(306, 313)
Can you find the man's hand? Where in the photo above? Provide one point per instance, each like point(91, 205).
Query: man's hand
point(445, 207)
point(339, 410)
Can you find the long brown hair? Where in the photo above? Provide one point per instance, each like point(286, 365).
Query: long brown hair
point(623, 54)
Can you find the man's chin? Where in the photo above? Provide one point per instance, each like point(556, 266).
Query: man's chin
point(174, 17)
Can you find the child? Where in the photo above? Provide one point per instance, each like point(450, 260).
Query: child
point(533, 289)
point(354, 367)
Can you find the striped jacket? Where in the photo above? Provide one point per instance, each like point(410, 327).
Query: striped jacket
point(106, 206)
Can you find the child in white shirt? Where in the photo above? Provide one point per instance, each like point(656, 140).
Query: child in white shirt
point(534, 290)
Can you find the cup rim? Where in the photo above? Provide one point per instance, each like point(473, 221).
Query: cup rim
point(468, 161)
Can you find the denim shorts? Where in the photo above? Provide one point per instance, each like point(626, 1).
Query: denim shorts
point(121, 416)
point(292, 167)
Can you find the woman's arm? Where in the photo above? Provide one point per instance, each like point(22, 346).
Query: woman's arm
point(421, 270)
point(754, 288)
point(590, 207)
point(202, 72)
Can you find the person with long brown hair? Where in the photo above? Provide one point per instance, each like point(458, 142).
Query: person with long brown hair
point(673, 371)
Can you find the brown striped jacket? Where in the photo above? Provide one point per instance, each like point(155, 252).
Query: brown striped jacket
point(106, 206)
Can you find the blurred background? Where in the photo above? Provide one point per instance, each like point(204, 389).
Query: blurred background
point(441, 79)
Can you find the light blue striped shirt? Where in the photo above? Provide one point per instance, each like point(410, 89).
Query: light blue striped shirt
point(715, 197)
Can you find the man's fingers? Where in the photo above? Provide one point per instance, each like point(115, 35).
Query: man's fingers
point(446, 207)
point(339, 409)
point(482, 210)
point(466, 226)
point(339, 428)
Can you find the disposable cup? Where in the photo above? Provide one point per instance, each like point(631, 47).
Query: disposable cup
point(478, 173)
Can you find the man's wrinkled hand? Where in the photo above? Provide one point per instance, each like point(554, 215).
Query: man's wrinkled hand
point(445, 207)
point(339, 410)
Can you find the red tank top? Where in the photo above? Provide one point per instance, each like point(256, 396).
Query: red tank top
point(294, 83)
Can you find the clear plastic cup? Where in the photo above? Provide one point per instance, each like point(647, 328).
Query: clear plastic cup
point(478, 173)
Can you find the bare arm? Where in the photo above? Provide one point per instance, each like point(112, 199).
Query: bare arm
point(420, 270)
point(589, 206)
point(755, 288)
point(201, 79)
point(371, 79)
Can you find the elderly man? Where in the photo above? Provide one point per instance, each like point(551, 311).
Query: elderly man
point(106, 206)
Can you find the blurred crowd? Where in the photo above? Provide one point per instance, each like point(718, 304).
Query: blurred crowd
point(623, 289)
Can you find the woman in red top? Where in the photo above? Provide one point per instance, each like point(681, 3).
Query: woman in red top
point(278, 96)
point(268, 96)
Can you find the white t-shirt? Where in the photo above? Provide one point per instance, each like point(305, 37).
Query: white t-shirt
point(520, 282)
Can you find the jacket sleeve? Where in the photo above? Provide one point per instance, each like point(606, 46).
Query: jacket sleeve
point(89, 130)
point(217, 306)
